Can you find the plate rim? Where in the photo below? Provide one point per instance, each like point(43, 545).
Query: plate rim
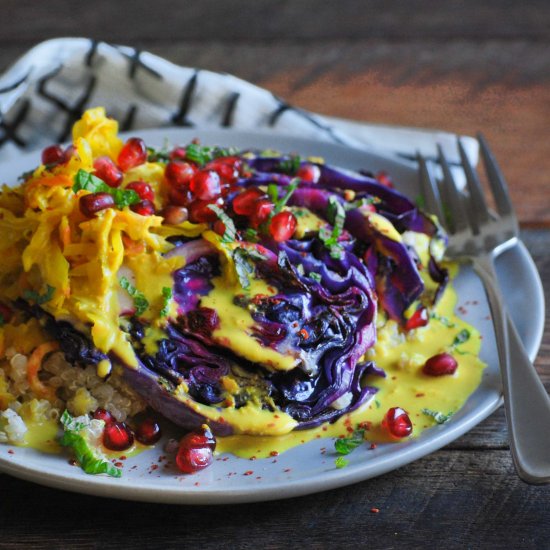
point(107, 487)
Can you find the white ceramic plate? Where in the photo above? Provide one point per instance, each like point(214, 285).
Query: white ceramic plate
point(305, 469)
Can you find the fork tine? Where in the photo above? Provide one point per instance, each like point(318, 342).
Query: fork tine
point(454, 200)
point(479, 212)
point(429, 189)
point(496, 179)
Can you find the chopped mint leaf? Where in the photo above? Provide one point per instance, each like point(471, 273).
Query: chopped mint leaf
point(85, 455)
point(377, 403)
point(439, 417)
point(39, 299)
point(158, 155)
point(244, 264)
point(344, 446)
point(340, 462)
point(140, 302)
point(166, 298)
point(230, 231)
point(315, 276)
point(89, 182)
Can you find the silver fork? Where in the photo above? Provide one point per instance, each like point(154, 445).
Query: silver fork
point(478, 235)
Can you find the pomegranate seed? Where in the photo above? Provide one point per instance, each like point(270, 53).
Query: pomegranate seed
point(117, 436)
point(195, 450)
point(143, 208)
point(106, 169)
point(418, 319)
point(132, 154)
point(143, 189)
point(219, 227)
point(174, 215)
point(103, 414)
point(178, 153)
point(227, 168)
point(52, 154)
point(69, 153)
point(200, 213)
point(440, 364)
point(206, 185)
point(309, 172)
point(180, 196)
point(179, 173)
point(148, 432)
point(93, 203)
point(282, 226)
point(384, 179)
point(6, 313)
point(261, 211)
point(243, 203)
point(397, 422)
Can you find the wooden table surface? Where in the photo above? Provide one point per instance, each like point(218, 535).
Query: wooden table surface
point(460, 66)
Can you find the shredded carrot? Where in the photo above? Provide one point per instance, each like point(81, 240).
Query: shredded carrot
point(33, 366)
point(131, 247)
point(49, 181)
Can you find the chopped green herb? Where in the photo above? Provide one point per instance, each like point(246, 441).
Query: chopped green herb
point(461, 337)
point(86, 456)
point(230, 231)
point(337, 217)
point(39, 299)
point(166, 298)
point(377, 403)
point(315, 276)
point(340, 462)
point(25, 175)
point(202, 154)
point(443, 320)
point(273, 192)
point(89, 182)
point(290, 165)
point(281, 203)
point(420, 202)
point(439, 417)
point(158, 155)
point(244, 264)
point(250, 234)
point(140, 302)
point(344, 446)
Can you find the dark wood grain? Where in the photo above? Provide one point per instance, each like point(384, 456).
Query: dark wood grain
point(461, 66)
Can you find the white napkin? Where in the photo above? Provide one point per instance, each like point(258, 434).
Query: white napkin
point(46, 90)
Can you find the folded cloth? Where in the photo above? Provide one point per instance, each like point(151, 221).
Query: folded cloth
point(48, 88)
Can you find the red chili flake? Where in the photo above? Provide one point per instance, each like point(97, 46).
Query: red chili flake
point(365, 425)
point(420, 394)
point(248, 473)
point(325, 428)
point(123, 457)
point(252, 458)
point(375, 510)
point(258, 477)
point(197, 483)
point(287, 469)
point(274, 453)
point(350, 429)
point(276, 416)
point(11, 451)
point(273, 461)
point(119, 464)
point(373, 446)
point(154, 467)
point(304, 333)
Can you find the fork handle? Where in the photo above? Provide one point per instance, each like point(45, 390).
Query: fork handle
point(526, 402)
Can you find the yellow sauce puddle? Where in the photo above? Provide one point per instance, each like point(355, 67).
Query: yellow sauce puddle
point(405, 385)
